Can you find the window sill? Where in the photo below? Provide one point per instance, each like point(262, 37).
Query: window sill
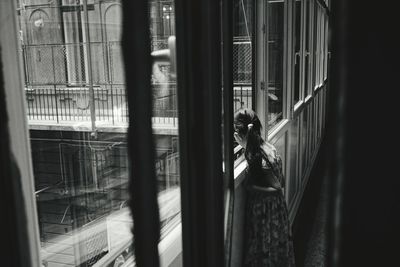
point(240, 171)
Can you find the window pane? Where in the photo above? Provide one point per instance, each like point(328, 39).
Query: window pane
point(242, 54)
point(275, 61)
point(304, 138)
point(75, 96)
point(242, 58)
point(321, 46)
point(315, 45)
point(280, 145)
point(165, 115)
point(315, 125)
point(326, 47)
point(297, 46)
point(294, 155)
point(307, 49)
point(78, 117)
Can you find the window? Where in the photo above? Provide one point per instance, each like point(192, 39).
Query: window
point(165, 117)
point(242, 58)
point(316, 45)
point(297, 52)
point(293, 160)
point(321, 47)
point(307, 49)
point(77, 114)
point(275, 61)
point(243, 54)
point(303, 145)
point(326, 47)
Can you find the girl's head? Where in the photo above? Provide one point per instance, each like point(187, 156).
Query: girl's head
point(248, 134)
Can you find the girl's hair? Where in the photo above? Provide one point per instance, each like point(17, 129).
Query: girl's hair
point(248, 125)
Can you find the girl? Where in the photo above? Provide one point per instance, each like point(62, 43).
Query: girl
point(268, 240)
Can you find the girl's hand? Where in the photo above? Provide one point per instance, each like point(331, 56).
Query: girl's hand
point(239, 140)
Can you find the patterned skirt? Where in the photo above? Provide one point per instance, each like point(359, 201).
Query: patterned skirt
point(268, 239)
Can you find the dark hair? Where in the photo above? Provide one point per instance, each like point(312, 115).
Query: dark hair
point(242, 119)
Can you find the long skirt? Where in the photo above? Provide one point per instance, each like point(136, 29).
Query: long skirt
point(268, 239)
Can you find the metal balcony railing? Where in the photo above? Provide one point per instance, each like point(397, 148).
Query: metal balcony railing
point(57, 84)
point(57, 103)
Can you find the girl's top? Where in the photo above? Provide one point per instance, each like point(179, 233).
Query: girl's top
point(270, 174)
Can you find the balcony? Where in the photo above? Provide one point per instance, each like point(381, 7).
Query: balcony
point(52, 107)
point(58, 91)
point(61, 106)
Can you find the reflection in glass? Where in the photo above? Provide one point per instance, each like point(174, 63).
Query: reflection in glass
point(77, 115)
point(280, 146)
point(275, 61)
point(165, 115)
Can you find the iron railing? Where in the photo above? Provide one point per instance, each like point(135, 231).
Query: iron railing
point(57, 103)
point(58, 91)
point(68, 104)
point(242, 96)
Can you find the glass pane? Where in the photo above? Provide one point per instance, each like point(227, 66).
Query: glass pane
point(311, 129)
point(321, 47)
point(315, 45)
point(75, 96)
point(319, 115)
point(326, 47)
point(77, 115)
point(242, 54)
point(242, 58)
point(294, 144)
point(280, 146)
point(304, 138)
point(315, 124)
point(297, 56)
point(165, 115)
point(275, 61)
point(310, 123)
point(307, 49)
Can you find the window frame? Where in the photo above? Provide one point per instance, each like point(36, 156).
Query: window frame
point(262, 67)
point(308, 90)
point(200, 104)
point(17, 128)
point(237, 150)
point(326, 47)
point(321, 47)
point(316, 46)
